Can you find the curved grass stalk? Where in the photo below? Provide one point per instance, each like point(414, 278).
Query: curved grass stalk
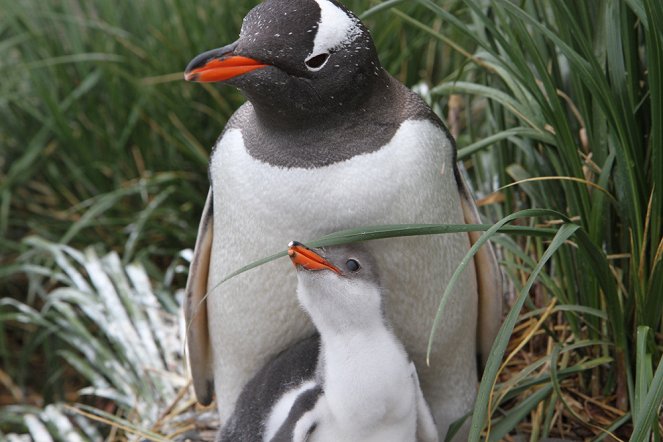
point(480, 415)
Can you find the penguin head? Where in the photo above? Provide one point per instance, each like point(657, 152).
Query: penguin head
point(295, 58)
point(338, 286)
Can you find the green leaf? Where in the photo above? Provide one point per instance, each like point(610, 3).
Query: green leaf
point(515, 415)
point(647, 412)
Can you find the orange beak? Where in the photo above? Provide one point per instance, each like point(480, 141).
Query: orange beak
point(308, 259)
point(220, 65)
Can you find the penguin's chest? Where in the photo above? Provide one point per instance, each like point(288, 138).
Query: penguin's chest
point(259, 208)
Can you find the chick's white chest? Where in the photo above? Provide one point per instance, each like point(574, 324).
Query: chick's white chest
point(369, 393)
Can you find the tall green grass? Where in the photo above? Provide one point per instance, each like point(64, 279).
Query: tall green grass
point(584, 80)
point(102, 143)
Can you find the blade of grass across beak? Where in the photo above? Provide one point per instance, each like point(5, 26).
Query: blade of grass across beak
point(391, 231)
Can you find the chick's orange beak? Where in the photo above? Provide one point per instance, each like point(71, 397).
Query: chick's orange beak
point(300, 255)
point(220, 65)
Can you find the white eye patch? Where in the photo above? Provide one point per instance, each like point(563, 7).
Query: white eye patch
point(335, 28)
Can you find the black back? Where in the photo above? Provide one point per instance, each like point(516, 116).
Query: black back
point(304, 403)
point(289, 369)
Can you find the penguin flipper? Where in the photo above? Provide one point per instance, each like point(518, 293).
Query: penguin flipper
point(489, 278)
point(195, 309)
point(426, 428)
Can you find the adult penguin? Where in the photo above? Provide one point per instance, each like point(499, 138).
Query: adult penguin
point(328, 140)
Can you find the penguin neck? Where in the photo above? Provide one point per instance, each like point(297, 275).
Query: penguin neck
point(292, 138)
point(335, 112)
point(372, 342)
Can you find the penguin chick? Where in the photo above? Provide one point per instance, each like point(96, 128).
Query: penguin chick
point(369, 386)
point(362, 385)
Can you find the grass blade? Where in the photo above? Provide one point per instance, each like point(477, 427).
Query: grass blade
point(480, 416)
point(645, 419)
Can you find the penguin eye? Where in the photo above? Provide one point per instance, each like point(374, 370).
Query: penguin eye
point(352, 265)
point(315, 63)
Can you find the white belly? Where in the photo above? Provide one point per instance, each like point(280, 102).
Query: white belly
point(259, 208)
point(401, 431)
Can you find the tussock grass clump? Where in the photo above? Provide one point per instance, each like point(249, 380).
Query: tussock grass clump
point(569, 95)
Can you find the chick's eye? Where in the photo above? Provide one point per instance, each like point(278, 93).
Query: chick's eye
point(352, 265)
point(315, 63)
